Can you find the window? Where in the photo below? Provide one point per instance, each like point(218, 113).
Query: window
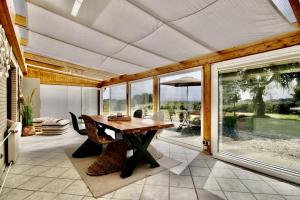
point(259, 113)
point(118, 99)
point(142, 97)
point(105, 98)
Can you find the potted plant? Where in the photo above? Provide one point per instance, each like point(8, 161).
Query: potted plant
point(27, 117)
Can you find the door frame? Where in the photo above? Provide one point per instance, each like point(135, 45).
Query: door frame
point(289, 53)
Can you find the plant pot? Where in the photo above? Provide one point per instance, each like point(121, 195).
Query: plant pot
point(28, 131)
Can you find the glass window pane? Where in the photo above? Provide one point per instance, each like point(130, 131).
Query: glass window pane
point(105, 98)
point(118, 99)
point(142, 97)
point(259, 113)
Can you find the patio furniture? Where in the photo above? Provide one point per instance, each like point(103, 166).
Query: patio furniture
point(138, 113)
point(139, 132)
point(75, 125)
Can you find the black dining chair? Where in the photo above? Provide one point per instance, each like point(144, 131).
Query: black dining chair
point(75, 125)
point(138, 113)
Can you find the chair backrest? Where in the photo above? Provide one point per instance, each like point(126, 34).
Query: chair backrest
point(138, 114)
point(159, 116)
point(91, 128)
point(74, 121)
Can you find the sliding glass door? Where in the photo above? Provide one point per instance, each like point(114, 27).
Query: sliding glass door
point(259, 113)
point(180, 97)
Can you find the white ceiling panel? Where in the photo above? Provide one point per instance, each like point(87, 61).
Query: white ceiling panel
point(125, 21)
point(171, 44)
point(119, 67)
point(142, 58)
point(63, 51)
point(169, 10)
point(70, 32)
point(228, 23)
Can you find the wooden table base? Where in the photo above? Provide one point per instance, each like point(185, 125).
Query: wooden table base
point(140, 143)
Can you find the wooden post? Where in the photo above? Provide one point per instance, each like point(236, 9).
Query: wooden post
point(155, 93)
point(127, 98)
point(207, 108)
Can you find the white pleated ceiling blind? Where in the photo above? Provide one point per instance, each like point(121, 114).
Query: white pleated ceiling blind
point(141, 57)
point(57, 49)
point(131, 36)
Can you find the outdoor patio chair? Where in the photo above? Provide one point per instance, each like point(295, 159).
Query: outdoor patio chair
point(138, 113)
point(75, 125)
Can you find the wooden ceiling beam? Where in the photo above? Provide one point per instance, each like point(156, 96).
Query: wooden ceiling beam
point(54, 77)
point(23, 41)
point(273, 43)
point(6, 22)
point(21, 21)
point(295, 4)
point(52, 63)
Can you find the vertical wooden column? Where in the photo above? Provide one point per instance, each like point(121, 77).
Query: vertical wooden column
point(207, 108)
point(155, 93)
point(127, 98)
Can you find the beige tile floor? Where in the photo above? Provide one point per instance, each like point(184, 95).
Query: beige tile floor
point(44, 172)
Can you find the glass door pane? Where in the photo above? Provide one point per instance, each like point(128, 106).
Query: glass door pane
point(180, 99)
point(259, 113)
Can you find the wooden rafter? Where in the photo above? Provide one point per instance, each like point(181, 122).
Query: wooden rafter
point(273, 43)
point(23, 41)
point(6, 22)
point(47, 62)
point(55, 77)
point(20, 20)
point(295, 4)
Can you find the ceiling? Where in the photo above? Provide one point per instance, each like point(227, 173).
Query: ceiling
point(125, 37)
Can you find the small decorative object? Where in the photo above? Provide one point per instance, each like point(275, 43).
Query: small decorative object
point(119, 118)
point(27, 118)
point(5, 54)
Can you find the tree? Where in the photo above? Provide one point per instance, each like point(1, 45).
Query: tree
point(256, 81)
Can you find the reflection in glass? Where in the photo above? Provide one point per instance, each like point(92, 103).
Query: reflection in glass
point(142, 97)
point(259, 113)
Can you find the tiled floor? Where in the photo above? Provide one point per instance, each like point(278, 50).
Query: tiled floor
point(44, 172)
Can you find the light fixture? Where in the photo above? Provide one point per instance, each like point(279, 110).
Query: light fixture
point(76, 7)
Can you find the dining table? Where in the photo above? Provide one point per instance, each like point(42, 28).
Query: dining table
point(139, 134)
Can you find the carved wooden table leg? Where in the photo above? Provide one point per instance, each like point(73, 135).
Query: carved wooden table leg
point(141, 154)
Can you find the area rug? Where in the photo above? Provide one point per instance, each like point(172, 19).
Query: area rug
point(101, 185)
